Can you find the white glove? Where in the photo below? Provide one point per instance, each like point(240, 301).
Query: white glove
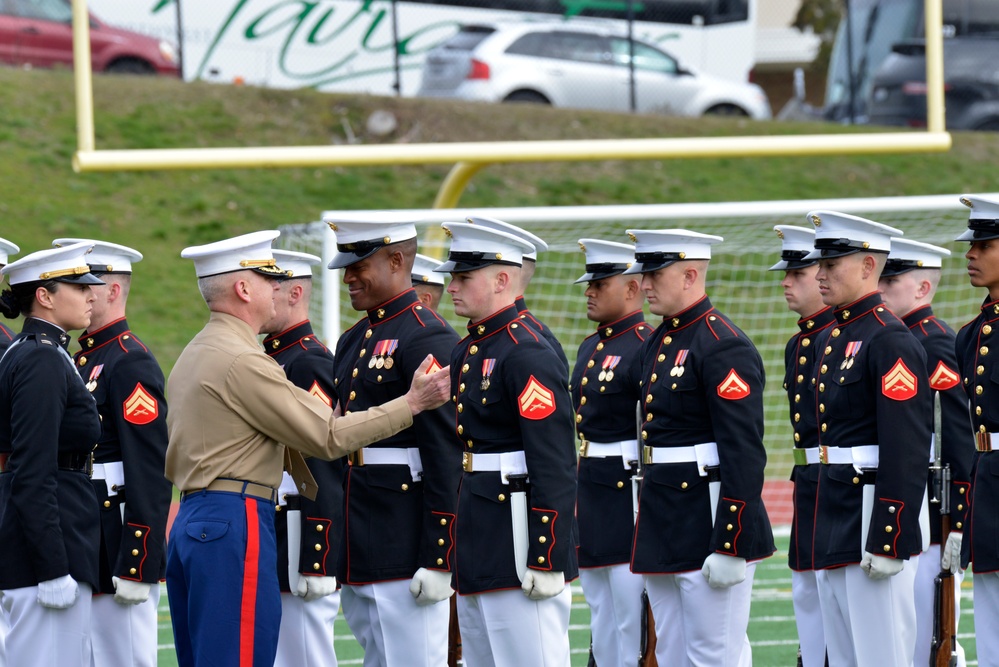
point(541, 585)
point(430, 586)
point(880, 567)
point(58, 593)
point(312, 588)
point(950, 552)
point(130, 592)
point(722, 570)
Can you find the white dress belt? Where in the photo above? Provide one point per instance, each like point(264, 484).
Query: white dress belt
point(705, 455)
point(860, 456)
point(384, 456)
point(113, 475)
point(505, 463)
point(626, 449)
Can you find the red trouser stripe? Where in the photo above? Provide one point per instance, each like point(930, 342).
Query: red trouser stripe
point(251, 572)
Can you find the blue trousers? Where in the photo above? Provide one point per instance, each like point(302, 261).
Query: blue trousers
point(222, 581)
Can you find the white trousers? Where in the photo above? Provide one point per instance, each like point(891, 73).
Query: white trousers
point(986, 615)
point(614, 595)
point(4, 627)
point(927, 567)
point(124, 635)
point(507, 629)
point(700, 626)
point(392, 629)
point(868, 623)
point(43, 637)
point(808, 618)
point(306, 635)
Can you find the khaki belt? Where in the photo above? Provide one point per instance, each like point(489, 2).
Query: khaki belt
point(983, 441)
point(242, 487)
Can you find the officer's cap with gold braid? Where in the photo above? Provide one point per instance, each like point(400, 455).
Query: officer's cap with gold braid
point(475, 246)
point(795, 244)
point(605, 258)
point(536, 241)
point(6, 250)
point(983, 219)
point(105, 257)
point(296, 264)
point(424, 271)
point(839, 234)
point(658, 248)
point(63, 265)
point(249, 252)
point(360, 238)
point(909, 255)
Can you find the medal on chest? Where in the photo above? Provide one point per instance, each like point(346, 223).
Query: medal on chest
point(852, 348)
point(487, 370)
point(607, 368)
point(95, 373)
point(382, 358)
point(681, 359)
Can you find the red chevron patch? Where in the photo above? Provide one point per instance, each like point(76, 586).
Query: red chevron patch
point(536, 401)
point(733, 387)
point(318, 392)
point(899, 384)
point(434, 366)
point(944, 378)
point(140, 407)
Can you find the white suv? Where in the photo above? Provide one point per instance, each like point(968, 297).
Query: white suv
point(577, 65)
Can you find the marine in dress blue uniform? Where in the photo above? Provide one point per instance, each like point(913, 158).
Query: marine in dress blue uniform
point(976, 346)
point(701, 520)
point(515, 532)
point(49, 518)
point(134, 495)
point(604, 389)
point(526, 274)
point(396, 550)
point(801, 291)
point(6, 338)
point(874, 408)
point(307, 530)
point(908, 284)
point(428, 284)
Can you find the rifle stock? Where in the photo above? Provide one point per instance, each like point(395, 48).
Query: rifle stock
point(943, 650)
point(453, 636)
point(647, 657)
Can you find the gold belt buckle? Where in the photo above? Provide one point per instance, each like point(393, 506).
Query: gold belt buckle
point(983, 441)
point(824, 454)
point(356, 458)
point(646, 454)
point(584, 446)
point(466, 461)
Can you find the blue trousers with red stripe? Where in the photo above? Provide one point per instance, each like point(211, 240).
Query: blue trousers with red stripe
point(222, 581)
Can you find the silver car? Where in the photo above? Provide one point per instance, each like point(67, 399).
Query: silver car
point(578, 65)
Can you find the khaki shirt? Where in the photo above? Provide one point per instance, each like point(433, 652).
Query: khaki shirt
point(233, 411)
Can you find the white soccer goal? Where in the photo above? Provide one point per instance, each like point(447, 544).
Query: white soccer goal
point(738, 281)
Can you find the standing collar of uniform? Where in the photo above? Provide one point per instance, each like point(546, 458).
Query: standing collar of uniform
point(856, 309)
point(618, 327)
point(89, 340)
point(498, 321)
point(238, 325)
point(990, 304)
point(399, 303)
point(817, 321)
point(42, 327)
point(690, 315)
point(521, 304)
point(278, 342)
point(914, 317)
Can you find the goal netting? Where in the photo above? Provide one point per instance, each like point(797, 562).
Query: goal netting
point(738, 281)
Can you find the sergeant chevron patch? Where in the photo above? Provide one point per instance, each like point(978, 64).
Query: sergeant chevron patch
point(943, 378)
point(434, 366)
point(733, 387)
point(899, 384)
point(536, 401)
point(318, 392)
point(140, 407)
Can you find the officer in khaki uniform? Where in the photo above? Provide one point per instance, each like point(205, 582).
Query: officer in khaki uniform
point(514, 534)
point(801, 291)
point(235, 419)
point(307, 529)
point(908, 283)
point(604, 389)
point(875, 414)
point(125, 379)
point(396, 548)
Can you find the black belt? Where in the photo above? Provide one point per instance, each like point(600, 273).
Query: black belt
point(74, 462)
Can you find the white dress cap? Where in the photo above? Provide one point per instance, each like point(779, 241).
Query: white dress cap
point(908, 255)
point(424, 273)
point(658, 248)
point(983, 218)
point(839, 234)
point(105, 257)
point(476, 246)
point(605, 258)
point(493, 223)
point(64, 265)
point(249, 252)
point(6, 250)
point(296, 264)
point(795, 244)
point(361, 237)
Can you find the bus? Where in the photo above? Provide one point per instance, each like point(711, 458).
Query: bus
point(868, 31)
point(378, 46)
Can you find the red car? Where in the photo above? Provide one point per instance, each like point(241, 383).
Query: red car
point(39, 33)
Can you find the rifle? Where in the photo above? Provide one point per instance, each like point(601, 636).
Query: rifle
point(453, 636)
point(943, 650)
point(647, 658)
